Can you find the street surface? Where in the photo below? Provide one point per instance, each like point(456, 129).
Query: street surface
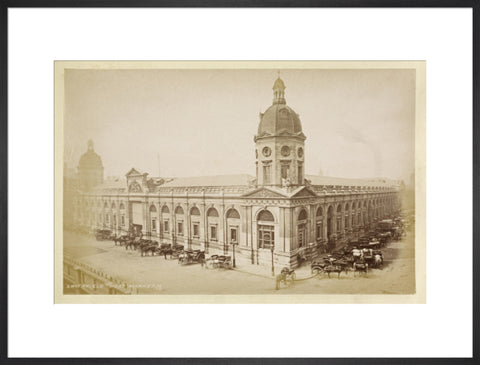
point(155, 275)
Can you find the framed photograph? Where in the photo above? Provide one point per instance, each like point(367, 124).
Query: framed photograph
point(274, 235)
point(213, 184)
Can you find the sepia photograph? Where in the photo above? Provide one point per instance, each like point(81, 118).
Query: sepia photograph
point(240, 182)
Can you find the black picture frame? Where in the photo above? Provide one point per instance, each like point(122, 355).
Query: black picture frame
point(8, 4)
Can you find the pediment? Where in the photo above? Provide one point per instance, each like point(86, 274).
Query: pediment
point(264, 193)
point(134, 172)
point(304, 193)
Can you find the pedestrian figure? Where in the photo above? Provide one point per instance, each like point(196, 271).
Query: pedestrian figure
point(356, 254)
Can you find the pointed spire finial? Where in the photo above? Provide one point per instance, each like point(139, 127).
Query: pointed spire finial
point(279, 90)
point(90, 145)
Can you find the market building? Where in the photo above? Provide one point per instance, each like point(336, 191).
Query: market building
point(280, 214)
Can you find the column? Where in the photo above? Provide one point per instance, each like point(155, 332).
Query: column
point(173, 223)
point(312, 224)
point(204, 228)
point(288, 229)
point(244, 238)
point(146, 218)
point(281, 222)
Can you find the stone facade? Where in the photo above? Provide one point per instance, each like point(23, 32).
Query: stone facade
point(281, 214)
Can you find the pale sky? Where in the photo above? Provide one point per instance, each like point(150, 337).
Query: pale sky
point(358, 123)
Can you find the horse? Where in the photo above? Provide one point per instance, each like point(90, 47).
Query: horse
point(129, 243)
point(377, 260)
point(360, 266)
point(150, 247)
point(286, 276)
point(333, 268)
point(174, 251)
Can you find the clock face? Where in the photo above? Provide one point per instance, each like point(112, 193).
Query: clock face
point(266, 151)
point(285, 151)
point(300, 152)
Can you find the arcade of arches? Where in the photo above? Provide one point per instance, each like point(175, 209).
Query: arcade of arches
point(276, 215)
point(255, 229)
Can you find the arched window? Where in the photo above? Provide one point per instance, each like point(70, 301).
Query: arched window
point(330, 211)
point(339, 219)
point(347, 216)
point(353, 205)
point(302, 228)
point(232, 225)
point(122, 206)
point(179, 210)
point(105, 205)
point(113, 205)
point(194, 211)
point(266, 232)
point(212, 212)
point(303, 215)
point(154, 226)
point(232, 213)
point(164, 222)
point(265, 216)
point(319, 212)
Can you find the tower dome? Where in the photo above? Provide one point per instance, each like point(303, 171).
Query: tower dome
point(90, 160)
point(279, 119)
point(280, 144)
point(90, 169)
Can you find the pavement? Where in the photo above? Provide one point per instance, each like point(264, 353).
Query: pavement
point(159, 276)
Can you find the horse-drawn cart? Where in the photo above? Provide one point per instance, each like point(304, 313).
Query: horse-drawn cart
point(103, 234)
point(147, 246)
point(219, 261)
point(191, 257)
point(285, 278)
point(173, 251)
point(331, 264)
point(121, 240)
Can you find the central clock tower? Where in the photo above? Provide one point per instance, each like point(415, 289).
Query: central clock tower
point(280, 144)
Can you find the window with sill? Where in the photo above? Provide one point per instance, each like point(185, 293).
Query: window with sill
point(301, 235)
point(319, 231)
point(233, 235)
point(180, 228)
point(196, 230)
point(266, 236)
point(213, 233)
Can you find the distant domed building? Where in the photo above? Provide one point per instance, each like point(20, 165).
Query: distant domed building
point(90, 169)
point(279, 217)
